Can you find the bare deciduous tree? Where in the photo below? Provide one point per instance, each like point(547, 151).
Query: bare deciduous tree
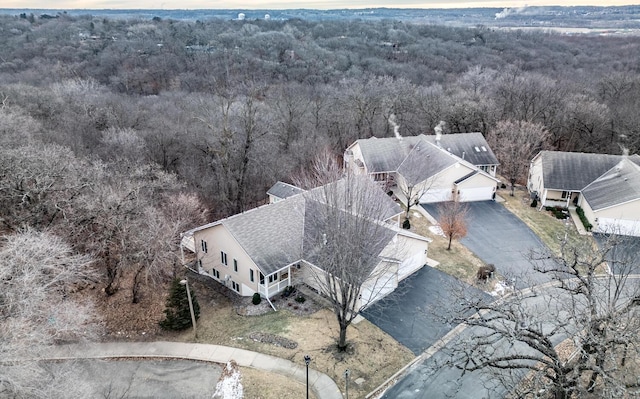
point(515, 143)
point(452, 220)
point(346, 237)
point(38, 271)
point(575, 337)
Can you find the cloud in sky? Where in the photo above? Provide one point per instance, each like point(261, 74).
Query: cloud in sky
point(283, 4)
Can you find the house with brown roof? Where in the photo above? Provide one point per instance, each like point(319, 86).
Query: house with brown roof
point(443, 168)
point(284, 243)
point(606, 187)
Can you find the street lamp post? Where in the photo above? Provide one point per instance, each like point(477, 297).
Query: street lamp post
point(346, 380)
point(307, 360)
point(193, 316)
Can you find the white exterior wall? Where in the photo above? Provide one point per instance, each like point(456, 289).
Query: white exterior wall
point(350, 163)
point(623, 219)
point(535, 182)
point(219, 239)
point(479, 187)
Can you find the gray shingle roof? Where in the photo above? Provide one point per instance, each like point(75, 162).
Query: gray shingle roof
point(573, 171)
point(472, 145)
point(386, 154)
point(324, 244)
point(618, 185)
point(284, 190)
point(344, 190)
point(424, 161)
point(273, 235)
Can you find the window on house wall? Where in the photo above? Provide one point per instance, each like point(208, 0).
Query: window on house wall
point(235, 286)
point(235, 265)
point(203, 245)
point(261, 278)
point(273, 278)
point(223, 258)
point(251, 275)
point(565, 194)
point(215, 273)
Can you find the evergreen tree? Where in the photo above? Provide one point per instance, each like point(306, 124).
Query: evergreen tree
point(177, 313)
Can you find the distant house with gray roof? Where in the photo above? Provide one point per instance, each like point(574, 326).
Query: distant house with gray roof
point(281, 190)
point(268, 248)
point(606, 187)
point(442, 168)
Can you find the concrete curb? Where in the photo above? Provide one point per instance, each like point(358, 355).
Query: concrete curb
point(320, 384)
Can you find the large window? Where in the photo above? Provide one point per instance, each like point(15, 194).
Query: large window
point(223, 258)
point(235, 286)
point(215, 273)
point(203, 245)
point(273, 278)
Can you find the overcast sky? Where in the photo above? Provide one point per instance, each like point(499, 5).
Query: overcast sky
point(280, 4)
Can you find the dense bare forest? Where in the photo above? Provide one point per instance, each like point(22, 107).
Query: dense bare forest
point(116, 135)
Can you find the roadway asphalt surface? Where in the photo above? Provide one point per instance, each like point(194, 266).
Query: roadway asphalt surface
point(416, 314)
point(158, 379)
point(438, 376)
point(623, 257)
point(497, 236)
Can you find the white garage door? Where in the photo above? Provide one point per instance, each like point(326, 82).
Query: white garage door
point(436, 195)
point(411, 264)
point(374, 290)
point(476, 194)
point(619, 226)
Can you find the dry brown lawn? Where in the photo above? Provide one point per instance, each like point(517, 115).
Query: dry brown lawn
point(550, 230)
point(458, 261)
point(373, 356)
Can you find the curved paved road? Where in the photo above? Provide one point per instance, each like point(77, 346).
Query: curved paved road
point(321, 385)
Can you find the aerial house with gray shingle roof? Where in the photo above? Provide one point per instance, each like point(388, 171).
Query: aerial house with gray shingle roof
point(281, 244)
point(607, 187)
point(428, 165)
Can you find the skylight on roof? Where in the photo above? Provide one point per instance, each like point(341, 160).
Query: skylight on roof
point(484, 148)
point(477, 149)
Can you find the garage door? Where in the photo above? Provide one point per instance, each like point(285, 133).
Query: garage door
point(374, 290)
point(618, 226)
point(476, 194)
point(436, 195)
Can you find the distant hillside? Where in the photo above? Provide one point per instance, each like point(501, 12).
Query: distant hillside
point(625, 17)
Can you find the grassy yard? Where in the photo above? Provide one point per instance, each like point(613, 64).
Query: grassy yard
point(374, 355)
point(551, 231)
point(458, 262)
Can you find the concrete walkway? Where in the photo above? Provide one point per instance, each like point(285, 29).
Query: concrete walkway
point(320, 384)
point(577, 222)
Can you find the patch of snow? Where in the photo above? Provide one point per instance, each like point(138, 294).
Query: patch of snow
point(437, 230)
point(500, 289)
point(417, 215)
point(229, 386)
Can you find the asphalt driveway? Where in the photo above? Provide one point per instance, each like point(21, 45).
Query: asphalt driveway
point(417, 313)
point(623, 252)
point(497, 236)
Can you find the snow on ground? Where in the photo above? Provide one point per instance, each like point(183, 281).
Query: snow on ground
point(437, 230)
point(229, 386)
point(500, 288)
